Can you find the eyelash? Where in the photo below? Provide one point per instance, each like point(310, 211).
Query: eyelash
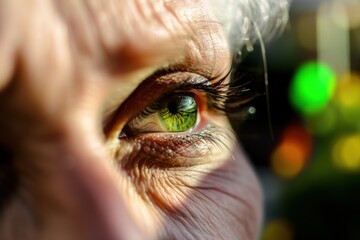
point(222, 97)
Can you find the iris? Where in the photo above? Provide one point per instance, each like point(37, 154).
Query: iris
point(179, 114)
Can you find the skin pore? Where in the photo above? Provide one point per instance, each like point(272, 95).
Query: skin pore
point(77, 160)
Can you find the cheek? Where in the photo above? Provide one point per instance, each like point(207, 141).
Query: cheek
point(205, 202)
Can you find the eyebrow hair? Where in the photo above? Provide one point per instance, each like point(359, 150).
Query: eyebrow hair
point(247, 20)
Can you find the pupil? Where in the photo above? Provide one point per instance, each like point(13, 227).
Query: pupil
point(173, 107)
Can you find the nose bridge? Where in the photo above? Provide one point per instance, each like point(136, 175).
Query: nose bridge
point(73, 188)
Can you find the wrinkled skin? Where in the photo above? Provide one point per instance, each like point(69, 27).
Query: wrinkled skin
point(66, 67)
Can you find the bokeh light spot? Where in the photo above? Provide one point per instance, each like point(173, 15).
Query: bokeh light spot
point(312, 87)
point(348, 91)
point(347, 99)
point(346, 152)
point(288, 160)
point(252, 110)
point(291, 155)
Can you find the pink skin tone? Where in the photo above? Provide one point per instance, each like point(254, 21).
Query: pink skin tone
point(65, 71)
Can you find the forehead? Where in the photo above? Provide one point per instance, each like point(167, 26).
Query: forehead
point(146, 25)
point(141, 31)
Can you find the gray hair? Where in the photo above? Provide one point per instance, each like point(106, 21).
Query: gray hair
point(248, 20)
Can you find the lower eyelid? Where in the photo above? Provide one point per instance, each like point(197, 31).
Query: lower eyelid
point(176, 150)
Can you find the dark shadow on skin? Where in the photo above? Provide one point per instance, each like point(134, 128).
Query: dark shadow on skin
point(8, 180)
point(226, 204)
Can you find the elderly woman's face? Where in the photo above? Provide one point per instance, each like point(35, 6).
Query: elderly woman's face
point(110, 125)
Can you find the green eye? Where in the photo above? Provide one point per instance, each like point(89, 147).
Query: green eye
point(179, 114)
point(170, 113)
